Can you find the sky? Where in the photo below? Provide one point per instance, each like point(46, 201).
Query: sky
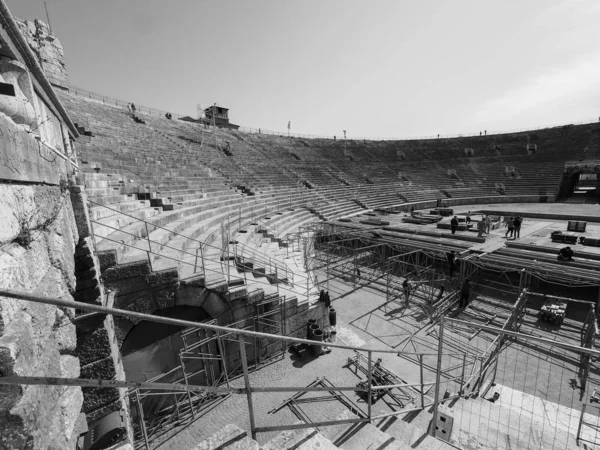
point(385, 68)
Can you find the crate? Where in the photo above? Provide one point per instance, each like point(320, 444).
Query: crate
point(564, 237)
point(576, 225)
point(593, 242)
point(553, 311)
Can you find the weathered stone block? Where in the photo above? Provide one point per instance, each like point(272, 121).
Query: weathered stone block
point(191, 295)
point(65, 333)
point(255, 296)
point(242, 312)
point(141, 296)
point(162, 277)
point(214, 305)
point(84, 262)
point(86, 283)
point(17, 351)
point(103, 369)
point(122, 327)
point(291, 307)
point(90, 295)
point(87, 275)
point(96, 398)
point(142, 305)
point(87, 322)
point(122, 271)
point(107, 259)
point(93, 346)
point(131, 286)
point(165, 298)
point(104, 410)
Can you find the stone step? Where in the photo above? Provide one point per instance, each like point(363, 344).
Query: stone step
point(304, 439)
point(359, 436)
point(225, 438)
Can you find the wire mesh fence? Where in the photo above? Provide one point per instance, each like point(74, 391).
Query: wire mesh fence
point(517, 390)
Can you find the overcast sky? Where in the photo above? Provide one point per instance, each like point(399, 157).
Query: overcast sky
point(379, 68)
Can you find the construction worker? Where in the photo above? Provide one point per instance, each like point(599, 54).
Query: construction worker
point(407, 288)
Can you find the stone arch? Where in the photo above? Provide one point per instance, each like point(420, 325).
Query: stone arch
point(151, 349)
point(151, 302)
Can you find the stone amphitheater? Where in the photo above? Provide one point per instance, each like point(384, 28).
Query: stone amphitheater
point(176, 284)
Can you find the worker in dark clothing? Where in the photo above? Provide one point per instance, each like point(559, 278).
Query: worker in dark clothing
point(454, 225)
point(407, 288)
point(517, 224)
point(565, 254)
point(451, 262)
point(465, 290)
point(510, 223)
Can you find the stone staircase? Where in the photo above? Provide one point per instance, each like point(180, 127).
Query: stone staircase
point(399, 435)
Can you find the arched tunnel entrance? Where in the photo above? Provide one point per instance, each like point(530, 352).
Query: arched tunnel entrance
point(156, 352)
point(579, 186)
point(151, 349)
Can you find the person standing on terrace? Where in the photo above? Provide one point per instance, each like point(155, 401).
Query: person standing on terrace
point(407, 288)
point(510, 223)
point(517, 223)
point(480, 228)
point(454, 225)
point(488, 224)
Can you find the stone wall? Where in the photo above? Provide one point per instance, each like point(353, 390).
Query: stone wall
point(48, 49)
point(38, 236)
point(46, 249)
point(97, 343)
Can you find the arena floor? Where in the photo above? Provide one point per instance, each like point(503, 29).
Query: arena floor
point(539, 380)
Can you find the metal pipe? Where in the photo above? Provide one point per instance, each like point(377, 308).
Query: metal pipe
point(142, 421)
point(437, 377)
point(369, 383)
point(526, 337)
point(421, 376)
point(187, 323)
point(300, 426)
point(247, 385)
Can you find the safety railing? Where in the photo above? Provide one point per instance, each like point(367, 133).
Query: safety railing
point(371, 367)
point(242, 336)
point(208, 257)
point(158, 112)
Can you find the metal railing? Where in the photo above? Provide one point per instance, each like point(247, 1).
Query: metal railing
point(208, 259)
point(158, 112)
point(370, 387)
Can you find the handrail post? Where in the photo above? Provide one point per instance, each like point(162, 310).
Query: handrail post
point(462, 378)
point(307, 288)
point(202, 260)
point(421, 376)
point(247, 386)
point(369, 381)
point(437, 377)
point(148, 237)
point(583, 407)
point(142, 420)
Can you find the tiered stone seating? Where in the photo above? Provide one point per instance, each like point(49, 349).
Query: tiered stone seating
point(186, 179)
